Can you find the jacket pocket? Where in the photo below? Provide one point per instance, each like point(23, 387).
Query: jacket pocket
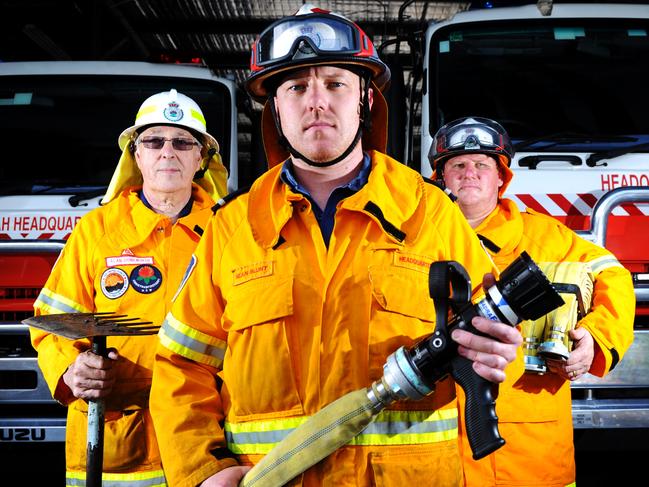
point(125, 441)
point(403, 291)
point(422, 465)
point(401, 313)
point(259, 370)
point(533, 399)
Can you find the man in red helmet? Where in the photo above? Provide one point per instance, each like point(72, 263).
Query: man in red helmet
point(471, 157)
point(305, 284)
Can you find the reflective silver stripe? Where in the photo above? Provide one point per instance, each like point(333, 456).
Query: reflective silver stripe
point(401, 427)
point(194, 345)
point(238, 441)
point(603, 263)
point(256, 437)
point(134, 479)
point(56, 304)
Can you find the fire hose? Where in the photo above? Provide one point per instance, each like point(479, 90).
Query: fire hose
point(523, 292)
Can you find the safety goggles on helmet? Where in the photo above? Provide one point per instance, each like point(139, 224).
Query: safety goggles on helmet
point(473, 134)
point(311, 37)
point(310, 34)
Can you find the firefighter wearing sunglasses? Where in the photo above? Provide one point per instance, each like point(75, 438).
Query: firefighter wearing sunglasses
point(303, 285)
point(129, 257)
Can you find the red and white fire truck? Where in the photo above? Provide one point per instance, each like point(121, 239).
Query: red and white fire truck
point(569, 84)
point(60, 122)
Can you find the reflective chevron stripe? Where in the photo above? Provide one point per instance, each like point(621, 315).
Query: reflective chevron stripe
point(191, 343)
point(50, 302)
point(153, 478)
point(603, 263)
point(388, 428)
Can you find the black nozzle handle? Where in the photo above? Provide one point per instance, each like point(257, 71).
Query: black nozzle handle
point(480, 409)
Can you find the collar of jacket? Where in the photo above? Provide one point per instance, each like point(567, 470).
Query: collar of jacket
point(503, 226)
point(137, 222)
point(396, 190)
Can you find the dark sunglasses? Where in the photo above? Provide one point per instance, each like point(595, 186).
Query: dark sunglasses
point(178, 143)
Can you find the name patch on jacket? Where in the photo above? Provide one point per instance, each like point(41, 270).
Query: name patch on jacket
point(114, 283)
point(252, 271)
point(146, 279)
point(128, 258)
point(415, 262)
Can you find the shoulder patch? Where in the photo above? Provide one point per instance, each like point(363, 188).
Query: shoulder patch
point(229, 197)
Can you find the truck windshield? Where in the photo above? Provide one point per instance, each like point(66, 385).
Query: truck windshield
point(539, 78)
point(60, 132)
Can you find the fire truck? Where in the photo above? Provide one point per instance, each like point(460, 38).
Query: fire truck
point(569, 84)
point(60, 123)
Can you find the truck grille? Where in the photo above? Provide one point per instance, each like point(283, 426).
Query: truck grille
point(16, 303)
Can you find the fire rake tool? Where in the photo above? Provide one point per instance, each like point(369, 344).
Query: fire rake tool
point(96, 326)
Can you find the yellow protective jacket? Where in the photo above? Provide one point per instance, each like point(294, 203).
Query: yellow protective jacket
point(122, 257)
point(271, 326)
point(534, 411)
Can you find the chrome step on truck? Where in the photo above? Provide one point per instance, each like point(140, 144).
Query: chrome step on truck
point(63, 119)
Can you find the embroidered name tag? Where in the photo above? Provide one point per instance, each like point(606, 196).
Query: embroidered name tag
point(128, 258)
point(253, 271)
point(412, 261)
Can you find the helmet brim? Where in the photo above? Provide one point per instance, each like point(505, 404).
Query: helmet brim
point(128, 135)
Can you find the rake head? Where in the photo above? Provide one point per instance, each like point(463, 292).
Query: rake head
point(86, 325)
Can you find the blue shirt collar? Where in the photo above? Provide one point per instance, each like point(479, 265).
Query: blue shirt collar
point(288, 177)
point(187, 209)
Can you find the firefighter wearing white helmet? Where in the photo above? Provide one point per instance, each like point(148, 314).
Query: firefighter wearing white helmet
point(129, 256)
point(307, 282)
point(472, 155)
point(169, 108)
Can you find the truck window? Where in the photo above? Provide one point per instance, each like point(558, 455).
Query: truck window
point(586, 77)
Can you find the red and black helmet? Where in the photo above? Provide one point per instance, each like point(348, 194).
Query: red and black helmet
point(311, 37)
point(472, 135)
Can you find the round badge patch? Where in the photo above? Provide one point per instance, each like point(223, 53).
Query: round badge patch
point(146, 279)
point(114, 282)
point(173, 112)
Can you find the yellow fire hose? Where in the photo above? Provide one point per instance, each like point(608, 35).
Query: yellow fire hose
point(325, 432)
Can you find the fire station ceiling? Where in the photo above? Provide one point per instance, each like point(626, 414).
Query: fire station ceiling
point(218, 33)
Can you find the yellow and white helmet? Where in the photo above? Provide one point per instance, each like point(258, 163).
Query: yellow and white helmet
point(169, 108)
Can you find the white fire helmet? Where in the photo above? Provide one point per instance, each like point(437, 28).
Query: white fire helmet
point(175, 109)
point(169, 108)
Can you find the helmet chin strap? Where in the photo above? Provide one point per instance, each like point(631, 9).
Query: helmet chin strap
point(363, 123)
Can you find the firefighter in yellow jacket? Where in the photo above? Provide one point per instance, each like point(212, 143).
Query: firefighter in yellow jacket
point(301, 287)
point(472, 155)
point(129, 257)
